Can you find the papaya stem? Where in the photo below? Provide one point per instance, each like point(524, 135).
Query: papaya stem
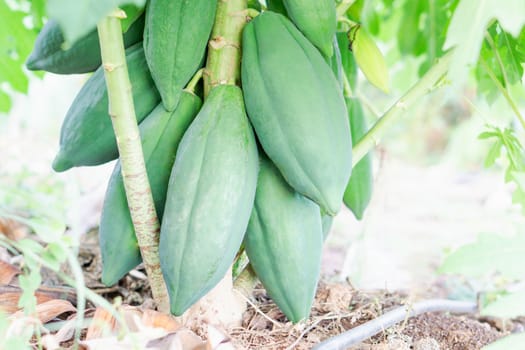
point(347, 88)
point(343, 6)
point(347, 21)
point(136, 184)
point(426, 84)
point(223, 66)
point(252, 13)
point(194, 81)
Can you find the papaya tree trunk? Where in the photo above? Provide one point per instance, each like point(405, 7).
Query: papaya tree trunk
point(138, 192)
point(224, 49)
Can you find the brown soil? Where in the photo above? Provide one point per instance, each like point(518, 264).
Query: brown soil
point(338, 307)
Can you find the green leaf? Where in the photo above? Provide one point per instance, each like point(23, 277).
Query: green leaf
point(16, 41)
point(79, 17)
point(49, 229)
point(30, 245)
point(506, 306)
point(29, 283)
point(422, 27)
point(514, 341)
point(493, 154)
point(132, 13)
point(5, 102)
point(500, 54)
point(409, 29)
point(488, 134)
point(38, 12)
point(468, 38)
point(54, 255)
point(490, 253)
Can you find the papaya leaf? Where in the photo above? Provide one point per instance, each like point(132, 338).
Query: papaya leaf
point(409, 28)
point(79, 17)
point(487, 134)
point(18, 29)
point(514, 341)
point(422, 29)
point(493, 154)
point(490, 253)
point(468, 39)
point(501, 55)
point(506, 306)
point(16, 41)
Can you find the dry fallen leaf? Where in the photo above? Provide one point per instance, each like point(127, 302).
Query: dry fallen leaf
point(183, 339)
point(12, 229)
point(137, 340)
point(20, 325)
point(152, 318)
point(49, 310)
point(7, 272)
point(102, 325)
point(9, 296)
point(65, 333)
point(217, 340)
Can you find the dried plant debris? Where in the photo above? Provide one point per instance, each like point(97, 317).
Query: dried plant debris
point(339, 307)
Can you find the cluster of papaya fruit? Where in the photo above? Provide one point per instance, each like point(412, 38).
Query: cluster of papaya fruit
point(263, 163)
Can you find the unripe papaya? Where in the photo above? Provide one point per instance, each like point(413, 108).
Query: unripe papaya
point(326, 221)
point(161, 133)
point(82, 57)
point(210, 198)
point(284, 242)
point(175, 39)
point(317, 20)
point(359, 189)
point(87, 137)
point(297, 109)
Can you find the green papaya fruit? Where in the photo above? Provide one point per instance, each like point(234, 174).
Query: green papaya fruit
point(316, 19)
point(210, 198)
point(161, 133)
point(175, 39)
point(359, 189)
point(87, 137)
point(297, 109)
point(82, 57)
point(326, 223)
point(276, 6)
point(348, 64)
point(284, 241)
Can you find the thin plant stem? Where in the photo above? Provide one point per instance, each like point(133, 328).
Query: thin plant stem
point(133, 168)
point(343, 6)
point(426, 84)
point(194, 81)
